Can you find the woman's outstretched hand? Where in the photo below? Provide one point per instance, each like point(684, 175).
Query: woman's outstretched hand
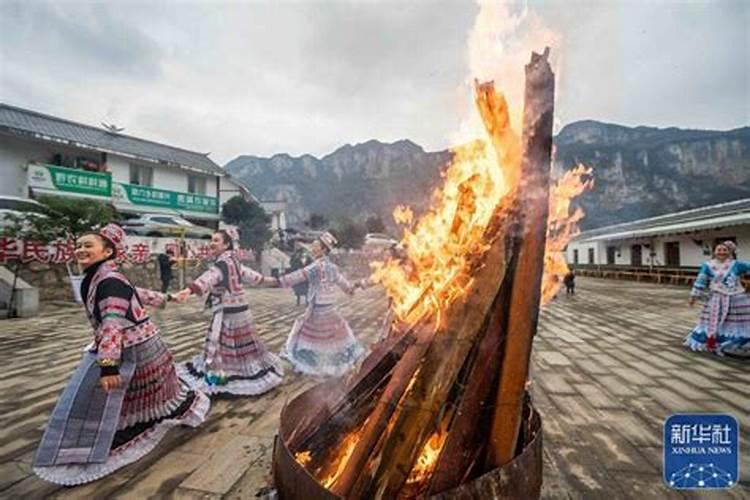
point(182, 296)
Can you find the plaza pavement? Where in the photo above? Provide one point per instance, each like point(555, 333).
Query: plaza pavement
point(608, 368)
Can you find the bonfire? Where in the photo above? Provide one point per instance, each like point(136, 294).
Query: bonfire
point(441, 404)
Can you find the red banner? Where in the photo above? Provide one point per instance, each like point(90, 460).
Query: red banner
point(138, 251)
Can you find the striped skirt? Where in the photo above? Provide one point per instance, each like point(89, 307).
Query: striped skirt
point(321, 343)
point(234, 359)
point(92, 433)
point(726, 318)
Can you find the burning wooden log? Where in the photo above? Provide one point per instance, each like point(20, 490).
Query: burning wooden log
point(414, 419)
point(426, 400)
point(527, 279)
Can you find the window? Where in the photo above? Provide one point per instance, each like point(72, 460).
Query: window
point(196, 184)
point(20, 205)
point(575, 256)
point(164, 220)
point(591, 255)
point(141, 176)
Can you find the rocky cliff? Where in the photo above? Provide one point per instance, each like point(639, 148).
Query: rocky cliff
point(639, 172)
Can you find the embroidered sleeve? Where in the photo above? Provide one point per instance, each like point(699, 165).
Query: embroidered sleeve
point(701, 282)
point(251, 276)
point(295, 277)
point(343, 283)
point(211, 278)
point(152, 298)
point(113, 300)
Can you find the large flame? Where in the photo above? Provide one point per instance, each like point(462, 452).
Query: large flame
point(434, 271)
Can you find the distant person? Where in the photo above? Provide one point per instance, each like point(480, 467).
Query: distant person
point(570, 282)
point(166, 260)
point(724, 323)
point(298, 261)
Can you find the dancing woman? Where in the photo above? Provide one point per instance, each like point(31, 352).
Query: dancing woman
point(234, 359)
point(321, 342)
point(724, 324)
point(125, 394)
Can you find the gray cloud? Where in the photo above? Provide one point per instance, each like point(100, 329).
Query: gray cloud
point(306, 77)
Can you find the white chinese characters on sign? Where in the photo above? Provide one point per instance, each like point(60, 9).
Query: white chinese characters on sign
point(688, 434)
point(138, 250)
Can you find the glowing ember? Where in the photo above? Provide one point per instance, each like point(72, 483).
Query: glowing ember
point(427, 460)
point(303, 457)
point(340, 458)
point(562, 225)
point(331, 469)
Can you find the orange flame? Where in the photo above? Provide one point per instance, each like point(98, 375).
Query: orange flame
point(427, 460)
point(439, 245)
point(403, 215)
point(303, 457)
point(341, 458)
point(562, 225)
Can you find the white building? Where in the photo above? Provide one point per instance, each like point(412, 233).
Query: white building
point(41, 154)
point(681, 239)
point(277, 211)
point(231, 187)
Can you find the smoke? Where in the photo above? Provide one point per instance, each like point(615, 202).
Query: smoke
point(499, 46)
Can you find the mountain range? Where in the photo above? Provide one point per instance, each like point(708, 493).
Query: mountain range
point(638, 171)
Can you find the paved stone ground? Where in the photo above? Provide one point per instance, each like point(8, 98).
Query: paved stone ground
point(608, 368)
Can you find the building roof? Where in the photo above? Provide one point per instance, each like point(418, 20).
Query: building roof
point(711, 217)
point(26, 123)
point(228, 178)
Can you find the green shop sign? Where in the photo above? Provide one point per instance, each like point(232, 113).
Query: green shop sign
point(152, 197)
point(53, 178)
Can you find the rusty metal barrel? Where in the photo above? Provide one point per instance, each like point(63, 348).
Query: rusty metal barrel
point(519, 478)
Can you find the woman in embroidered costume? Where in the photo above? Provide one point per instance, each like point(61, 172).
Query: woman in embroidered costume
point(321, 342)
point(724, 325)
point(125, 394)
point(234, 360)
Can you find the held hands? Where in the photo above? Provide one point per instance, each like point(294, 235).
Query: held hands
point(110, 382)
point(362, 283)
point(182, 296)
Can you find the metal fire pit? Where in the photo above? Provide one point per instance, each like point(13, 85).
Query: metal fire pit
point(519, 478)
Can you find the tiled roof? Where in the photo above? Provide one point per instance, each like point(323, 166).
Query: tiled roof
point(714, 216)
point(24, 122)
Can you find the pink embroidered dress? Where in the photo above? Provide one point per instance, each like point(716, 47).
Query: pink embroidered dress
point(724, 324)
point(92, 433)
point(321, 342)
point(234, 359)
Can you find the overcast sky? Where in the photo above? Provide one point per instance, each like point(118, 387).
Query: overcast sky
point(267, 77)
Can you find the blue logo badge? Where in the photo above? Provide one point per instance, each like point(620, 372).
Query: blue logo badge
point(701, 450)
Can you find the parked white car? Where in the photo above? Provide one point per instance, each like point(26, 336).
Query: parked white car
point(378, 241)
point(21, 207)
point(163, 225)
